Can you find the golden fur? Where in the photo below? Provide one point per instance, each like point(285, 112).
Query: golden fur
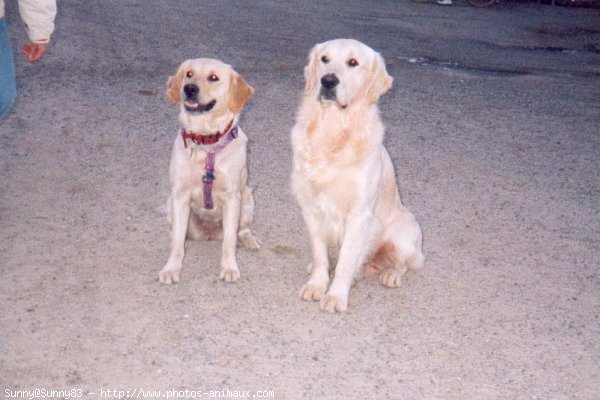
point(343, 177)
point(233, 201)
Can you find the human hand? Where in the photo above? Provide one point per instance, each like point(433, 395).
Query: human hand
point(34, 51)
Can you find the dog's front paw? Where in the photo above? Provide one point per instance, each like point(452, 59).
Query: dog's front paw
point(250, 241)
point(169, 274)
point(229, 273)
point(309, 268)
point(312, 291)
point(333, 302)
point(391, 278)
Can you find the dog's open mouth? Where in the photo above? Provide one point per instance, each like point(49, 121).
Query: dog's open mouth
point(329, 96)
point(193, 106)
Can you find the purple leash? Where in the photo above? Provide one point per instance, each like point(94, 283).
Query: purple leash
point(209, 167)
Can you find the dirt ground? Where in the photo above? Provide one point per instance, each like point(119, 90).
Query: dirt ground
point(493, 124)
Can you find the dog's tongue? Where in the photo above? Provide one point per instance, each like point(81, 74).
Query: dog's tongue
point(191, 105)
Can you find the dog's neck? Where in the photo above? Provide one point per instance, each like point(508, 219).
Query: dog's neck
point(356, 117)
point(335, 133)
point(206, 123)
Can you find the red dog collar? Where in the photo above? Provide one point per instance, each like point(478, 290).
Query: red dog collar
point(204, 139)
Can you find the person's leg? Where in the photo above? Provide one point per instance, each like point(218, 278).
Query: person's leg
point(8, 88)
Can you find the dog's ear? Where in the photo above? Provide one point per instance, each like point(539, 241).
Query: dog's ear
point(310, 71)
point(379, 80)
point(174, 86)
point(239, 92)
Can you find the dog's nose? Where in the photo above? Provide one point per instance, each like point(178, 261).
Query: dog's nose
point(191, 91)
point(329, 81)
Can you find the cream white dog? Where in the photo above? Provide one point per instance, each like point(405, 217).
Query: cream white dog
point(210, 197)
point(343, 177)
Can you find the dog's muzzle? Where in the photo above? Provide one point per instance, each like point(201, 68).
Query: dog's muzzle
point(328, 84)
point(191, 95)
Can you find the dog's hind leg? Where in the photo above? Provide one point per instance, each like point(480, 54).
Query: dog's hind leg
point(401, 251)
point(246, 217)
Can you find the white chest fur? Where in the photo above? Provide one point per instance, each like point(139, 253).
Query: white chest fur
point(188, 168)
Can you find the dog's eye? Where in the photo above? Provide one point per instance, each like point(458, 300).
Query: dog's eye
point(213, 78)
point(324, 59)
point(352, 62)
point(189, 74)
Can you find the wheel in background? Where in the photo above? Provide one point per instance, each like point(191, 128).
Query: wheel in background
point(481, 3)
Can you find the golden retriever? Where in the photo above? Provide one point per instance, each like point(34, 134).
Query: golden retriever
point(210, 197)
point(343, 177)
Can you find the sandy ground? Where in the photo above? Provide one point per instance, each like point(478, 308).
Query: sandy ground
point(493, 125)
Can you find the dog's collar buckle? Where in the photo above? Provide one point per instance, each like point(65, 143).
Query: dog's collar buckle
point(207, 180)
point(209, 177)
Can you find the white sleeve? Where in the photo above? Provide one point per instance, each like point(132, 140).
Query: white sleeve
point(38, 16)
